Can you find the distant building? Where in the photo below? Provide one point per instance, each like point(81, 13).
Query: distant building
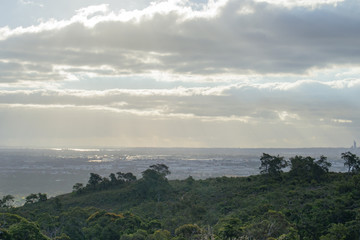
point(354, 144)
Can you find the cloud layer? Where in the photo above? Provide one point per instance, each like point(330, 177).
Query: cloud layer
point(225, 73)
point(224, 37)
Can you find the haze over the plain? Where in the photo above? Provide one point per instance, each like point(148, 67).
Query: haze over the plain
point(217, 73)
point(55, 171)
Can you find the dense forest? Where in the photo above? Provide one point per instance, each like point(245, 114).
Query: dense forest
point(305, 202)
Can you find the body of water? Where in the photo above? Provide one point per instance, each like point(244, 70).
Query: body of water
point(55, 171)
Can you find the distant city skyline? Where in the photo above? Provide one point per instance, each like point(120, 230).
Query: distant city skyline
point(176, 73)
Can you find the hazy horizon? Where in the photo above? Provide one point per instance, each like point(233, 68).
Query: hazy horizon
point(23, 171)
point(97, 148)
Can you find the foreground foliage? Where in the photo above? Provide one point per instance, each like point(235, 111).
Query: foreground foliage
point(308, 202)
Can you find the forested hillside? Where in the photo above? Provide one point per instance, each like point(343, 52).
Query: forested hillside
point(307, 202)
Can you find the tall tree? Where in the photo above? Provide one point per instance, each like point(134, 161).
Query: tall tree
point(112, 178)
point(272, 165)
point(42, 197)
point(78, 187)
point(125, 177)
point(32, 198)
point(6, 201)
point(162, 169)
point(323, 163)
point(157, 171)
point(309, 168)
point(351, 161)
point(94, 180)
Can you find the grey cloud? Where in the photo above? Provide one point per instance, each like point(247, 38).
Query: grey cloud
point(306, 101)
point(271, 40)
point(13, 71)
point(254, 112)
point(303, 114)
point(66, 127)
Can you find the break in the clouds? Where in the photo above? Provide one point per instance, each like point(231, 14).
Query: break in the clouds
point(250, 73)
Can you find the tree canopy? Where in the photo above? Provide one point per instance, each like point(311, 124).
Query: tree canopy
point(272, 165)
point(6, 201)
point(308, 202)
point(309, 168)
point(351, 161)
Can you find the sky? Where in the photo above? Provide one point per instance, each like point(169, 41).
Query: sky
point(176, 73)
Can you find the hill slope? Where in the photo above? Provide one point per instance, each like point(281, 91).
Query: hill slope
point(285, 206)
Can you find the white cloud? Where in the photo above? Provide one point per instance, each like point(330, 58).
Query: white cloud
point(345, 83)
point(158, 114)
point(31, 3)
point(341, 121)
point(244, 10)
point(289, 103)
point(284, 116)
point(301, 3)
point(92, 15)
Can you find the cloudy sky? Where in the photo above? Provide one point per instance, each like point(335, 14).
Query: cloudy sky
point(176, 73)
